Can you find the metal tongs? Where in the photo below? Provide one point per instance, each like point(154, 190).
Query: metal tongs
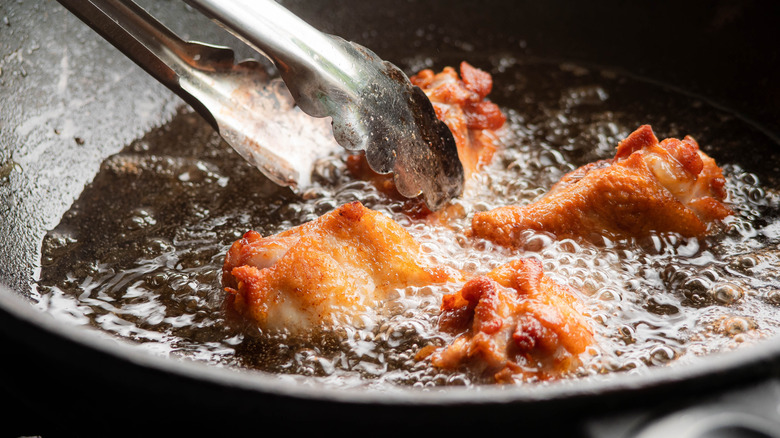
point(372, 104)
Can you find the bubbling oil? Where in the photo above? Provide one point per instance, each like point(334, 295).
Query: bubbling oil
point(139, 254)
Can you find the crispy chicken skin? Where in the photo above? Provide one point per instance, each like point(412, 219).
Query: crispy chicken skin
point(515, 321)
point(670, 186)
point(330, 271)
point(336, 269)
point(459, 101)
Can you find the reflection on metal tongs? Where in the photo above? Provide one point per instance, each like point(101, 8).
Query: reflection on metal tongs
point(372, 104)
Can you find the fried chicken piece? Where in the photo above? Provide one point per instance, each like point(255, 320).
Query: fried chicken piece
point(336, 270)
point(517, 322)
point(333, 270)
point(460, 103)
point(670, 186)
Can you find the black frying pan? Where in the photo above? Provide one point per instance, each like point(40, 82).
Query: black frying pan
point(69, 100)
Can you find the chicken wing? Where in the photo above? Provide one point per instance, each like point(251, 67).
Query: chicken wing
point(670, 186)
point(460, 103)
point(333, 270)
point(338, 268)
point(515, 321)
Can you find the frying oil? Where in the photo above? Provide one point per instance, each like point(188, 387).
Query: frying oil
point(139, 254)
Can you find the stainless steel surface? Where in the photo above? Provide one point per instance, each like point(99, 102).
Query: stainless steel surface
point(373, 105)
point(747, 412)
point(254, 113)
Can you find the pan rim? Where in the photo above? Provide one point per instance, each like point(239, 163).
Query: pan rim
point(731, 368)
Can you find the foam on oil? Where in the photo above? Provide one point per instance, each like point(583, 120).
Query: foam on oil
point(139, 254)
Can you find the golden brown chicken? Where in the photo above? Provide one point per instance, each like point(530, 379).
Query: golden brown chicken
point(460, 103)
point(515, 321)
point(338, 268)
point(333, 270)
point(670, 186)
